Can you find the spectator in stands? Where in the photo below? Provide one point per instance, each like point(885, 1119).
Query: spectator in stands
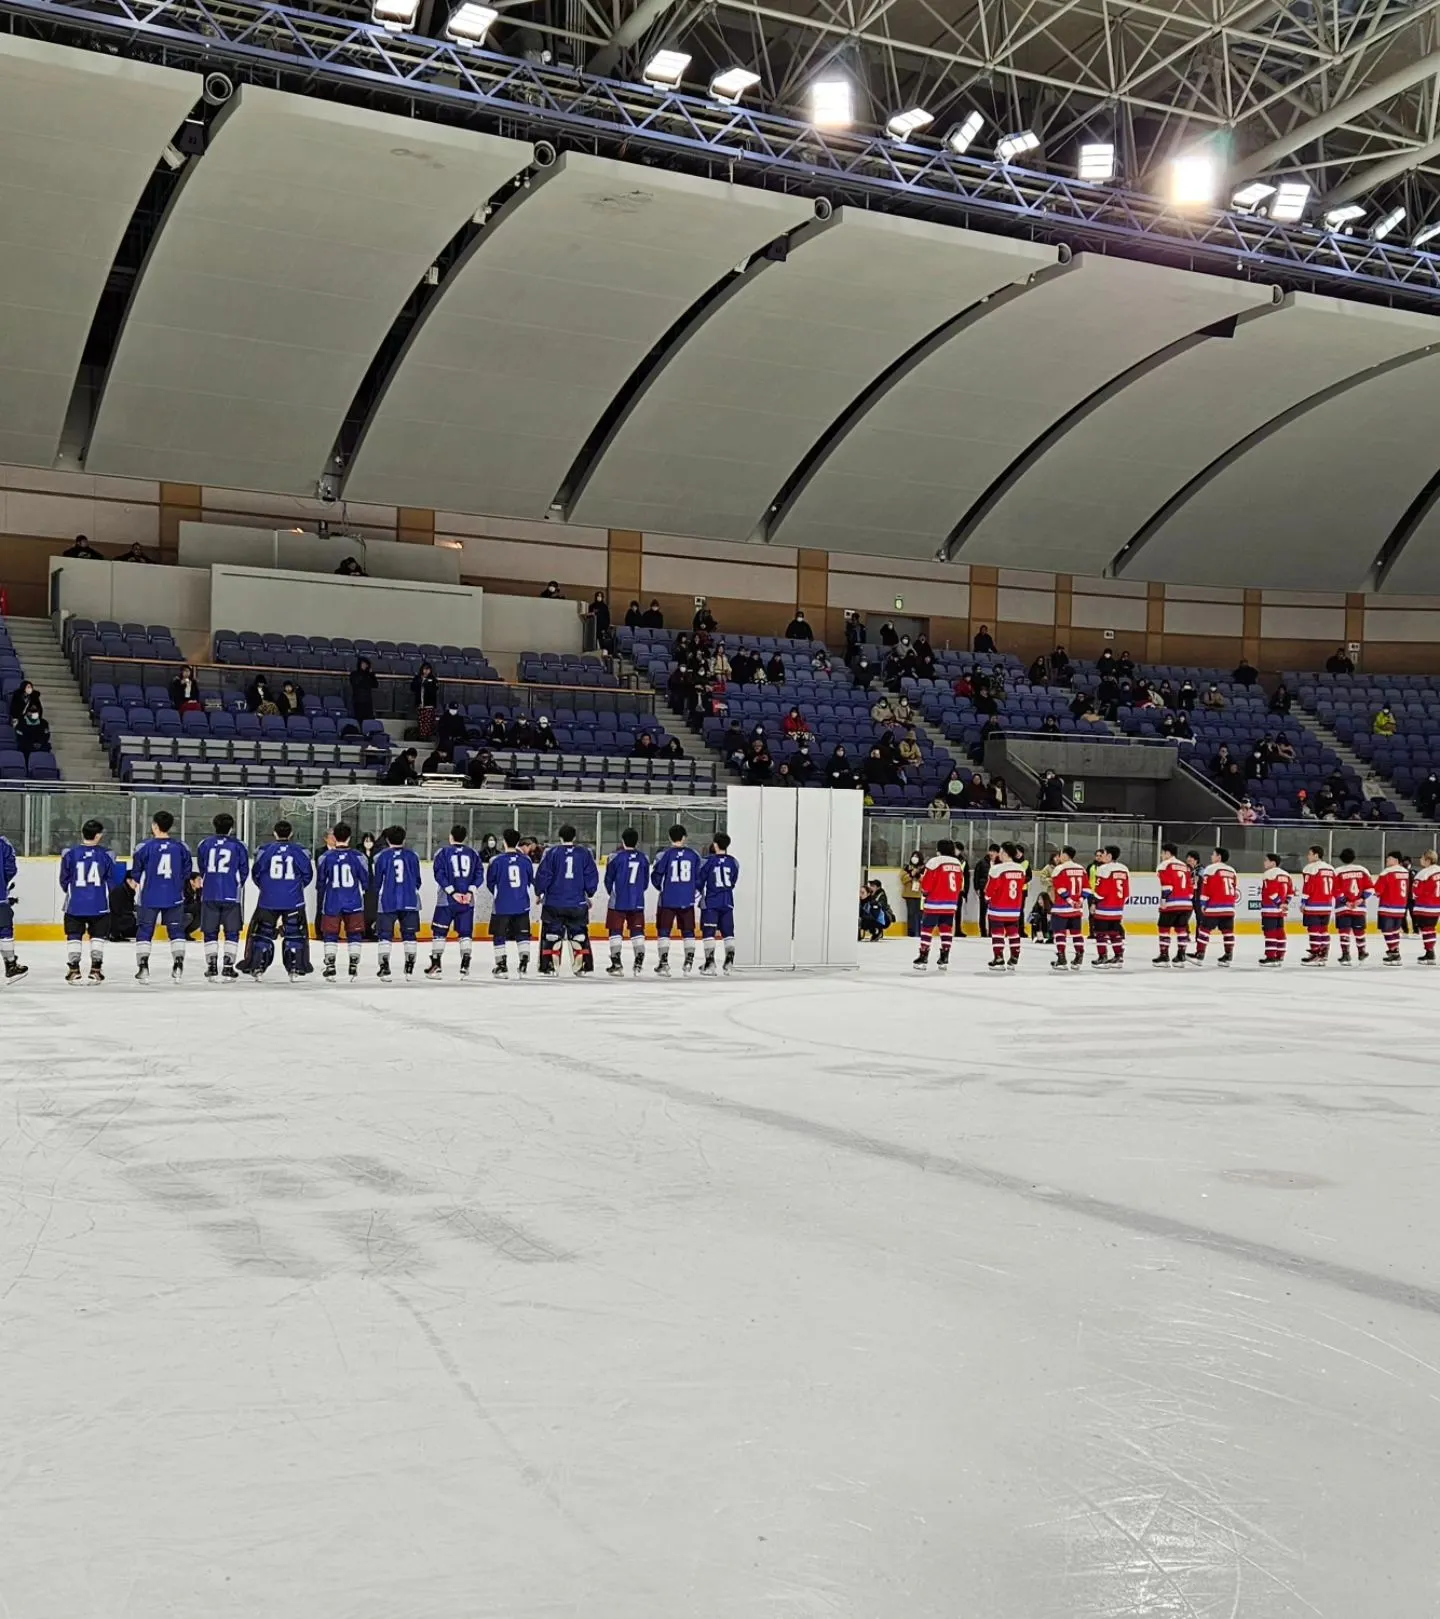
point(878, 771)
point(1125, 666)
point(291, 700)
point(1165, 694)
point(984, 700)
point(599, 612)
point(796, 726)
point(797, 629)
point(1060, 669)
point(363, 684)
point(1079, 705)
point(1105, 665)
point(894, 669)
point(1281, 749)
point(1247, 814)
point(24, 696)
point(952, 789)
point(704, 620)
point(1257, 762)
point(545, 739)
point(551, 592)
point(802, 764)
point(185, 691)
point(82, 548)
point(717, 664)
point(889, 747)
point(911, 759)
point(1182, 730)
point(258, 697)
point(401, 770)
point(984, 642)
point(743, 666)
point(478, 767)
point(889, 636)
point(1340, 663)
point(903, 711)
point(136, 553)
point(840, 769)
point(1049, 724)
point(439, 762)
point(452, 730)
point(425, 689)
point(634, 618)
point(775, 670)
point(820, 663)
point(999, 793)
point(1427, 794)
point(937, 809)
point(854, 635)
point(1051, 796)
point(1245, 673)
point(784, 776)
point(652, 618)
point(32, 730)
point(498, 730)
point(672, 749)
point(1385, 722)
point(1280, 702)
point(644, 747)
point(522, 732)
point(759, 766)
point(884, 713)
point(1107, 694)
point(1038, 673)
point(924, 659)
point(1214, 699)
point(1325, 804)
point(350, 568)
point(1185, 697)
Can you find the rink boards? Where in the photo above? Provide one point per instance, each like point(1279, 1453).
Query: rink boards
point(38, 909)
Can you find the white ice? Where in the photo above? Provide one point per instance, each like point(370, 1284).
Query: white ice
point(875, 1297)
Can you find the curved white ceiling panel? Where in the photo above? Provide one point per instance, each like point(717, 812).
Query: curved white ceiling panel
point(80, 135)
point(1308, 501)
point(1110, 469)
point(903, 477)
point(540, 326)
point(777, 359)
point(288, 251)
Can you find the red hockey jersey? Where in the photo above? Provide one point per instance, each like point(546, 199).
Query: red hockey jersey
point(1068, 885)
point(1392, 890)
point(1219, 889)
point(942, 884)
point(1005, 891)
point(1276, 892)
point(1425, 882)
point(1177, 885)
point(1353, 886)
point(1317, 886)
point(1112, 889)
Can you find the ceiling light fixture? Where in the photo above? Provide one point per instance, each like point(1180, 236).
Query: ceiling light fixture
point(1384, 226)
point(1194, 180)
point(831, 103)
point(1251, 196)
point(1097, 162)
point(730, 85)
point(962, 137)
point(905, 124)
point(665, 69)
point(1291, 199)
point(469, 23)
point(1009, 147)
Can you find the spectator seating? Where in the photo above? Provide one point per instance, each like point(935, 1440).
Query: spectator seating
point(338, 654)
point(1348, 704)
point(14, 766)
point(105, 638)
point(205, 764)
point(1022, 707)
point(601, 773)
point(566, 669)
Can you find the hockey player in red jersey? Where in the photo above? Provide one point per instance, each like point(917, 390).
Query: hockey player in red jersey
point(1425, 883)
point(1005, 903)
point(942, 887)
point(1219, 893)
point(1111, 885)
point(1353, 887)
point(1069, 885)
point(1317, 901)
point(1277, 889)
point(1392, 895)
point(1177, 905)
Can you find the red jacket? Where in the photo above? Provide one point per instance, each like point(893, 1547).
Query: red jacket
point(1112, 889)
point(1276, 892)
point(1317, 886)
point(1177, 885)
point(942, 884)
point(1392, 890)
point(1425, 882)
point(1353, 886)
point(1005, 891)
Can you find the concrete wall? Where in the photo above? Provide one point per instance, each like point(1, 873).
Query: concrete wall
point(328, 604)
point(131, 592)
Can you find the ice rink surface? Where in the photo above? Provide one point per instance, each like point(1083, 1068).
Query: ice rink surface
point(866, 1296)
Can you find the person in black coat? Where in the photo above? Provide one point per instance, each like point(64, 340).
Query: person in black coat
point(652, 618)
point(797, 629)
point(363, 684)
point(984, 642)
point(425, 689)
point(25, 696)
point(401, 770)
point(452, 728)
point(840, 771)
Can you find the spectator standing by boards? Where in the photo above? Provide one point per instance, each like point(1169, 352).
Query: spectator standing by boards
point(425, 689)
point(363, 684)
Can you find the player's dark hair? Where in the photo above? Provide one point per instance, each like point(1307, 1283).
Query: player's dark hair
point(1011, 849)
point(283, 830)
point(1393, 854)
point(342, 832)
point(394, 836)
point(1194, 855)
point(1347, 855)
point(1278, 859)
point(1113, 850)
point(722, 841)
point(224, 824)
point(993, 848)
point(676, 832)
point(944, 846)
point(1223, 855)
point(630, 838)
point(567, 833)
point(162, 820)
point(1170, 849)
point(92, 830)
point(1068, 852)
point(510, 837)
point(458, 833)
point(1316, 850)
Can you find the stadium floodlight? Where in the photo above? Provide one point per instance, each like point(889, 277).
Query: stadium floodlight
point(1251, 196)
point(1194, 180)
point(962, 137)
point(730, 85)
point(1009, 147)
point(665, 69)
point(832, 103)
point(394, 15)
point(1384, 226)
point(1290, 201)
point(469, 23)
point(905, 124)
point(1427, 233)
point(1097, 162)
point(1347, 214)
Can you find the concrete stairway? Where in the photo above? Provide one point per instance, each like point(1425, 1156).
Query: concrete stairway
point(73, 736)
point(1352, 761)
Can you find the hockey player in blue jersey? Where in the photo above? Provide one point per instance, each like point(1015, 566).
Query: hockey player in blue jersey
point(224, 864)
point(627, 881)
point(458, 872)
point(719, 873)
point(281, 874)
point(160, 874)
point(566, 881)
point(397, 875)
point(342, 879)
point(87, 874)
point(510, 877)
point(9, 875)
point(674, 876)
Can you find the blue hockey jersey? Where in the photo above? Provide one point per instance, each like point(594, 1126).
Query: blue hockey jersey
point(282, 873)
point(567, 877)
point(87, 874)
point(675, 875)
point(718, 876)
point(627, 876)
point(161, 868)
point(224, 866)
point(510, 877)
point(342, 877)
point(397, 872)
point(457, 869)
